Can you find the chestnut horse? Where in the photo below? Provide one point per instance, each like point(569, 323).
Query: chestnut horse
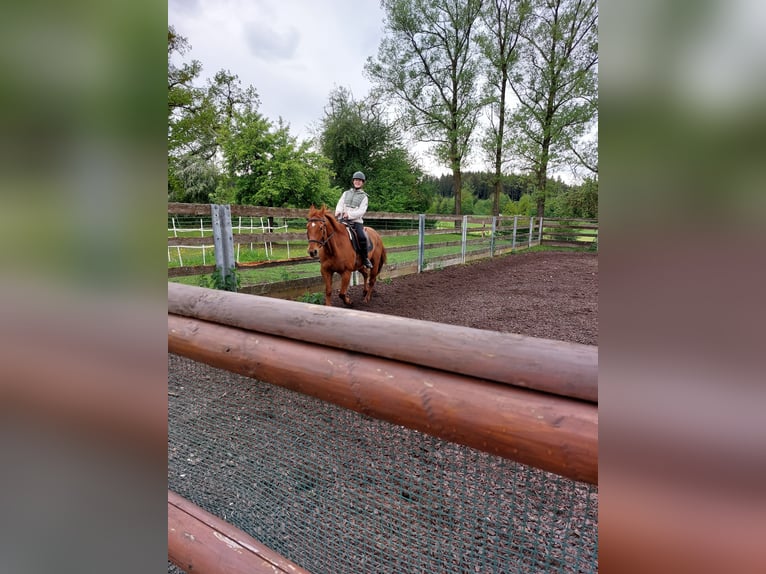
point(329, 240)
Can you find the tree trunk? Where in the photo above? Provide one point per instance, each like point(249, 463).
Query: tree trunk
point(499, 146)
point(542, 170)
point(542, 182)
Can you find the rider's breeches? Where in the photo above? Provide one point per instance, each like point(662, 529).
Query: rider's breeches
point(361, 238)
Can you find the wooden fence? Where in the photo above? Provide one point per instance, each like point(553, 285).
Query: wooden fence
point(485, 237)
point(526, 399)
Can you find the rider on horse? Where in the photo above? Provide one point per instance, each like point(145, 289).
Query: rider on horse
point(351, 208)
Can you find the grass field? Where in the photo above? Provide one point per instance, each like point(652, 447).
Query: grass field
point(259, 252)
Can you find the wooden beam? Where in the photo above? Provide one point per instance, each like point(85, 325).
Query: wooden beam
point(538, 429)
point(566, 369)
point(201, 542)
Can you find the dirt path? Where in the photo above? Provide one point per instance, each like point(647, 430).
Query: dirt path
point(552, 295)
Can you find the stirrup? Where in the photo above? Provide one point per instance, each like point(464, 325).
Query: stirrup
point(367, 263)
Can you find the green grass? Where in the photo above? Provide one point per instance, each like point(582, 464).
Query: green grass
point(314, 298)
point(280, 251)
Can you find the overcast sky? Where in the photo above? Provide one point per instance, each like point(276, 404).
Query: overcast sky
point(294, 52)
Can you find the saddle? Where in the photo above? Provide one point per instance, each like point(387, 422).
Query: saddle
point(354, 241)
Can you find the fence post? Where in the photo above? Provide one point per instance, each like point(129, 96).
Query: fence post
point(421, 240)
point(515, 224)
point(492, 236)
point(223, 238)
point(464, 239)
point(531, 230)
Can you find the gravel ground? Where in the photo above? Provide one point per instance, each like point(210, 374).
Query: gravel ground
point(551, 295)
point(336, 491)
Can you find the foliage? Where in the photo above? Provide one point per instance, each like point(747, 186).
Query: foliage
point(440, 64)
point(426, 62)
point(187, 116)
point(577, 203)
point(269, 167)
point(354, 137)
point(181, 93)
point(442, 205)
point(555, 83)
point(524, 206)
point(313, 298)
point(467, 199)
point(194, 180)
point(351, 134)
point(396, 185)
point(217, 281)
point(222, 150)
point(503, 21)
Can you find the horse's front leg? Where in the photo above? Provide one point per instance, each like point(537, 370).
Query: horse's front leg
point(345, 279)
point(327, 276)
point(366, 273)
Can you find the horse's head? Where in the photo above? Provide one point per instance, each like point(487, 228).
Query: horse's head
point(317, 230)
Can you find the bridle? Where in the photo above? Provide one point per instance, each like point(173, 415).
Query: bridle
point(325, 238)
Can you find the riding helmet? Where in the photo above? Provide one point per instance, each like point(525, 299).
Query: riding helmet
point(358, 175)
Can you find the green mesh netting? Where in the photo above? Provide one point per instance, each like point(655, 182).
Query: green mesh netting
point(338, 492)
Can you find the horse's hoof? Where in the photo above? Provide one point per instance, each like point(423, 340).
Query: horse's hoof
point(346, 300)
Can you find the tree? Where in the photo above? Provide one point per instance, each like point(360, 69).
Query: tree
point(198, 120)
point(355, 136)
point(502, 20)
point(555, 84)
point(195, 180)
point(351, 134)
point(267, 166)
point(181, 92)
point(585, 150)
point(427, 63)
point(398, 184)
point(186, 121)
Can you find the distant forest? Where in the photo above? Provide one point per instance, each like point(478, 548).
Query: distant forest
point(518, 196)
point(481, 186)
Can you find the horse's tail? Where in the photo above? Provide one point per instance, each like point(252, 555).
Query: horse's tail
point(382, 256)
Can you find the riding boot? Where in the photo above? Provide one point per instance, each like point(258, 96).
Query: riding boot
point(362, 240)
point(363, 256)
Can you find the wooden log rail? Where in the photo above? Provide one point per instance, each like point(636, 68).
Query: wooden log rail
point(566, 369)
point(201, 542)
point(472, 387)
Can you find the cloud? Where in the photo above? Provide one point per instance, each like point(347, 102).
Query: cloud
point(188, 6)
point(266, 43)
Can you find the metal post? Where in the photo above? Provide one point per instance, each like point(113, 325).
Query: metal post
point(515, 223)
point(492, 237)
point(223, 238)
point(464, 239)
point(531, 230)
point(421, 240)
